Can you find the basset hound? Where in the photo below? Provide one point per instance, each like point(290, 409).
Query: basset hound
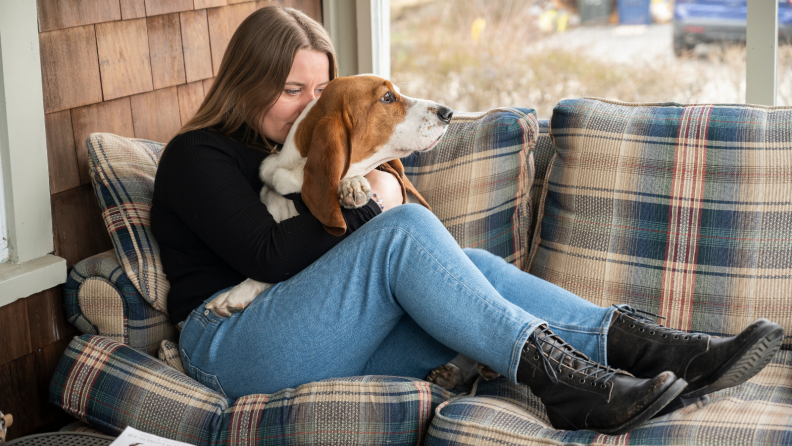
point(359, 123)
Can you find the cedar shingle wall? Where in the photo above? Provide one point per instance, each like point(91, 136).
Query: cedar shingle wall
point(136, 68)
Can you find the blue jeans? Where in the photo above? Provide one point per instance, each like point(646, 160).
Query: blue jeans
point(397, 297)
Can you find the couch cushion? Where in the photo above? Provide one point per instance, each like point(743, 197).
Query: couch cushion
point(478, 180)
point(543, 153)
point(111, 386)
point(757, 412)
point(680, 210)
point(122, 172)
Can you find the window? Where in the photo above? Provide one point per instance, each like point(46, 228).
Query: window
point(23, 159)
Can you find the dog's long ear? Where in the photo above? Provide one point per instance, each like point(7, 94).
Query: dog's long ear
point(327, 162)
point(408, 186)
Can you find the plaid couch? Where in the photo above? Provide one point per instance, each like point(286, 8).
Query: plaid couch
point(680, 210)
point(125, 370)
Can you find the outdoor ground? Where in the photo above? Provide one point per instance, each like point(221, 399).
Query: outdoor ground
point(475, 55)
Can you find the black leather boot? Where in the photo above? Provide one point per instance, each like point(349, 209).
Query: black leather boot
point(708, 363)
point(581, 394)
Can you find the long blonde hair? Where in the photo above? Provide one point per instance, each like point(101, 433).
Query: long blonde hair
point(253, 73)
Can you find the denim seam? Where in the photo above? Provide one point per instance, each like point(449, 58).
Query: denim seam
point(575, 329)
point(525, 333)
point(603, 338)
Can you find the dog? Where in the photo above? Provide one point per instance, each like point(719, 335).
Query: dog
point(356, 125)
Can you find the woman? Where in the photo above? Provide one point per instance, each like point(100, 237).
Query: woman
point(395, 295)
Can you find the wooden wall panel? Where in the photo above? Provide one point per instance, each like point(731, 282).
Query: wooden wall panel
point(24, 391)
point(110, 117)
point(63, 172)
point(157, 7)
point(155, 115)
point(46, 319)
point(58, 14)
point(207, 84)
point(77, 234)
point(195, 42)
point(222, 24)
point(165, 47)
point(69, 68)
point(14, 332)
point(201, 4)
point(190, 98)
point(133, 9)
point(124, 58)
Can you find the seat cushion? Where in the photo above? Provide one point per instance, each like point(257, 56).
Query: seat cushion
point(501, 413)
point(122, 172)
point(110, 386)
point(681, 210)
point(478, 180)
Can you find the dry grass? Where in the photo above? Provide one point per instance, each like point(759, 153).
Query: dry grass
point(433, 55)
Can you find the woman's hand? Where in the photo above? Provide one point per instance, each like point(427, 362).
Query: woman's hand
point(387, 188)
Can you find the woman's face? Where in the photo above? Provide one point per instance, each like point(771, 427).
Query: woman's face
point(308, 77)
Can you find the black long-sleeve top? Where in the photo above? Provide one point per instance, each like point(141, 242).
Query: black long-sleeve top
point(213, 230)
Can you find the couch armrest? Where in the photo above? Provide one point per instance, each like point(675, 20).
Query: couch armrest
point(111, 386)
point(101, 300)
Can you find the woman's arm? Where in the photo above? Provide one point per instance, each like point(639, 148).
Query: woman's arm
point(205, 186)
point(387, 187)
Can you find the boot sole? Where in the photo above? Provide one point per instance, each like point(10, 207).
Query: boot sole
point(662, 401)
point(746, 363)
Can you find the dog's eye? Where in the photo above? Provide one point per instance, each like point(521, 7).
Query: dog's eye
point(388, 98)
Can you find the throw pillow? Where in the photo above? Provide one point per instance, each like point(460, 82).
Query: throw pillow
point(478, 180)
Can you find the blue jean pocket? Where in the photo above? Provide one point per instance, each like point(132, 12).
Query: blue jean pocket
point(207, 379)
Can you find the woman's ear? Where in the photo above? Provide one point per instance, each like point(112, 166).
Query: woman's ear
point(327, 161)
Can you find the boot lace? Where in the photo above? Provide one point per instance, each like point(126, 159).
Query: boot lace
point(652, 326)
point(602, 374)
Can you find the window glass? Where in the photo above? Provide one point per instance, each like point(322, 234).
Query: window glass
point(784, 65)
point(474, 55)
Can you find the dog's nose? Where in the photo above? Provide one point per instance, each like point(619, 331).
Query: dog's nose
point(445, 113)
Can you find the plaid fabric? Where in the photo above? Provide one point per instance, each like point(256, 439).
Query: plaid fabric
point(758, 412)
point(364, 410)
point(122, 172)
point(543, 153)
point(111, 386)
point(169, 354)
point(478, 180)
point(683, 211)
point(100, 299)
point(79, 426)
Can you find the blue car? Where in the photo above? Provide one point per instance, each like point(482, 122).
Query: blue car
point(719, 21)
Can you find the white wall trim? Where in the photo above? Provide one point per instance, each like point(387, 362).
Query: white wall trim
point(360, 31)
point(762, 52)
point(23, 156)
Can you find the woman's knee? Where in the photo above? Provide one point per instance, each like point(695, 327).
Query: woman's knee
point(482, 257)
point(413, 215)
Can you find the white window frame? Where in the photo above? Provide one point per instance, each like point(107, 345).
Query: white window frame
point(762, 52)
point(25, 197)
point(360, 31)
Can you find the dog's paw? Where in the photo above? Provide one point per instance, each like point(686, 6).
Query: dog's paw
point(486, 372)
point(237, 299)
point(353, 192)
point(446, 376)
